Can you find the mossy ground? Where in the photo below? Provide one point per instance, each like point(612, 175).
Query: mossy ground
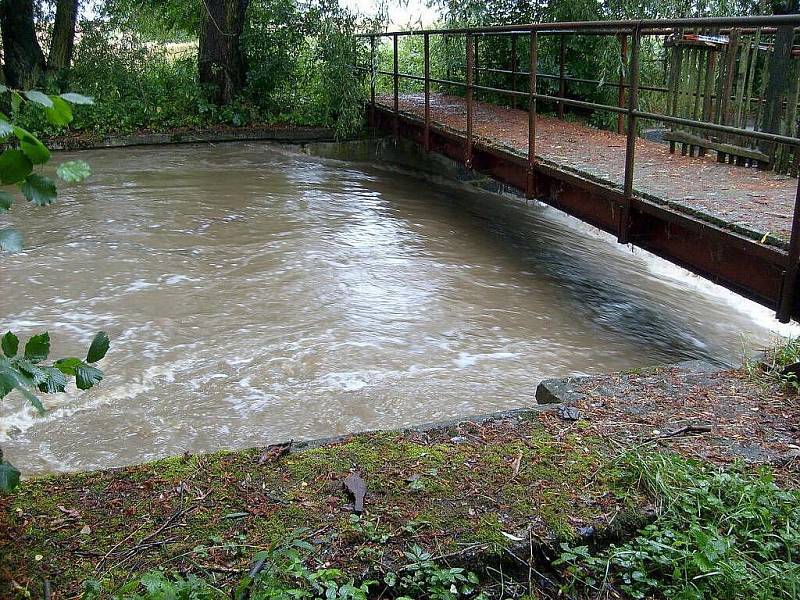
point(462, 492)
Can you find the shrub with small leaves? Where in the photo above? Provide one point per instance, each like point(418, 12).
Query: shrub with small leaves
point(721, 534)
point(423, 577)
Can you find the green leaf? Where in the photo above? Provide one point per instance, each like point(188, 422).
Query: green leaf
point(77, 98)
point(14, 166)
point(39, 189)
point(6, 128)
point(86, 376)
point(10, 377)
point(68, 366)
point(33, 148)
point(9, 477)
point(31, 371)
point(74, 171)
point(10, 240)
point(39, 98)
point(61, 112)
point(6, 386)
point(10, 344)
point(38, 347)
point(98, 348)
point(16, 101)
point(3, 89)
point(54, 381)
point(6, 200)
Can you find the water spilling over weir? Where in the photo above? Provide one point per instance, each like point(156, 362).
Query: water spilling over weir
point(254, 294)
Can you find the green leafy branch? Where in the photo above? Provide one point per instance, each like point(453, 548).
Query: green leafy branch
point(23, 152)
point(27, 373)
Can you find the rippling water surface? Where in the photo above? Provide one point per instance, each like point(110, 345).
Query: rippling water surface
point(254, 295)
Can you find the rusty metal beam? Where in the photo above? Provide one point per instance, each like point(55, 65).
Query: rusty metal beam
point(373, 74)
point(623, 56)
point(789, 295)
point(754, 270)
point(427, 51)
point(530, 190)
point(396, 83)
point(514, 69)
point(630, 149)
point(562, 83)
point(470, 103)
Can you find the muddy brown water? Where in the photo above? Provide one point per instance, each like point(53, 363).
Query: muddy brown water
point(255, 294)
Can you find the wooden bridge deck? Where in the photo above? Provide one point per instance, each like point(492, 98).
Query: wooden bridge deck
point(756, 204)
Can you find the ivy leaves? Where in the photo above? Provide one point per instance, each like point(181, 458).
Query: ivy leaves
point(24, 152)
point(26, 374)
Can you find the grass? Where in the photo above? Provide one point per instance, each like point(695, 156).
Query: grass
point(771, 369)
point(721, 534)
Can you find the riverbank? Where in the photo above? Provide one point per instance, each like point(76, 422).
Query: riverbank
point(87, 140)
point(518, 499)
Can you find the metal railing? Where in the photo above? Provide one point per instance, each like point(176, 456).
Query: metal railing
point(630, 34)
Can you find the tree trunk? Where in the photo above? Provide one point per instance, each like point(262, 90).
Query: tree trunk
point(221, 60)
point(23, 58)
point(60, 56)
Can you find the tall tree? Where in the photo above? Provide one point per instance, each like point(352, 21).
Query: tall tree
point(60, 56)
point(222, 63)
point(23, 62)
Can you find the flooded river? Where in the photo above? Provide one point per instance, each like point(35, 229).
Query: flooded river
point(253, 294)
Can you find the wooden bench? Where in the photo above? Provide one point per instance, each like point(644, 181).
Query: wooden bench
point(725, 152)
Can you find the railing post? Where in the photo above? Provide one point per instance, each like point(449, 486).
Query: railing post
point(514, 68)
point(427, 49)
point(530, 190)
point(623, 55)
point(395, 72)
point(630, 150)
point(373, 75)
point(562, 84)
point(470, 66)
point(448, 72)
point(476, 53)
point(789, 286)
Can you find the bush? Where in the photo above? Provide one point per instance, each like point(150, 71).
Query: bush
point(142, 70)
point(718, 535)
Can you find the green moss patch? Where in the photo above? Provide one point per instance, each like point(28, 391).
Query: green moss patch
point(473, 490)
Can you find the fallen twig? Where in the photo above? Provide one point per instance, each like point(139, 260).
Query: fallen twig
point(686, 430)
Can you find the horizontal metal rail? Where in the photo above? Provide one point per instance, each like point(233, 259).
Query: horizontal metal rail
point(608, 27)
point(540, 75)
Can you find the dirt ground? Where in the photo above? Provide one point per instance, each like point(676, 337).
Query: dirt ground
point(752, 201)
point(720, 416)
